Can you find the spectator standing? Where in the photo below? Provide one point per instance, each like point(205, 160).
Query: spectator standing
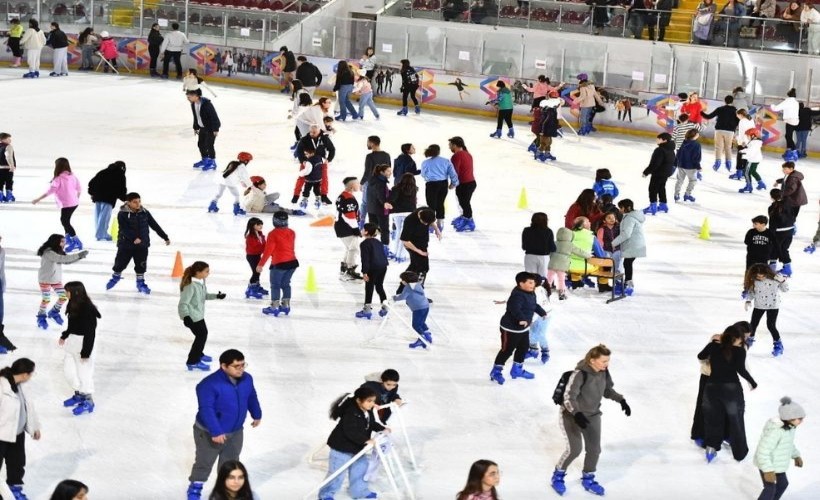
point(732, 11)
point(155, 40)
point(702, 26)
point(811, 17)
point(58, 41)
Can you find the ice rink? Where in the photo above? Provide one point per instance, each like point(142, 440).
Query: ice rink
point(138, 443)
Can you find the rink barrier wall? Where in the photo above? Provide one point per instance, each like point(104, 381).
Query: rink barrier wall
point(437, 91)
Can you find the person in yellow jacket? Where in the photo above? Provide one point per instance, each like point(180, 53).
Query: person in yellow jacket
point(776, 449)
point(15, 32)
point(583, 238)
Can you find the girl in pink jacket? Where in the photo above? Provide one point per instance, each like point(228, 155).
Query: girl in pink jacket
point(66, 190)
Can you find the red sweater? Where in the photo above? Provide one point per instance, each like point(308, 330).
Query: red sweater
point(255, 244)
point(279, 247)
point(693, 109)
point(463, 163)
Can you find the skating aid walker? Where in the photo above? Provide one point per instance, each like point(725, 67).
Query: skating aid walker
point(397, 250)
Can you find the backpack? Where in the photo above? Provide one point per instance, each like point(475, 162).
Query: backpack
point(561, 387)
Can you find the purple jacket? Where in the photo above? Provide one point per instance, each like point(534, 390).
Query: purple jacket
point(66, 190)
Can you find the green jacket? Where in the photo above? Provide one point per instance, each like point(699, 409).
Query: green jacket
point(192, 300)
point(505, 100)
point(582, 238)
point(776, 447)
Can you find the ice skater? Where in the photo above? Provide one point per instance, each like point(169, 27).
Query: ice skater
point(5, 343)
point(347, 229)
point(386, 387)
point(235, 179)
point(206, 127)
point(133, 240)
point(503, 104)
point(413, 294)
point(661, 167)
point(105, 188)
point(19, 418)
point(538, 242)
point(462, 162)
point(50, 276)
point(77, 342)
point(753, 155)
point(760, 243)
point(254, 247)
point(782, 220)
point(8, 165)
point(409, 86)
point(762, 288)
point(776, 449)
point(688, 162)
point(191, 309)
point(436, 170)
point(365, 92)
point(320, 142)
point(374, 270)
point(66, 190)
point(280, 249)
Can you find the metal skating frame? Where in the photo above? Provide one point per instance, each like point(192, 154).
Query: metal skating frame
point(396, 412)
point(391, 311)
point(567, 123)
point(103, 60)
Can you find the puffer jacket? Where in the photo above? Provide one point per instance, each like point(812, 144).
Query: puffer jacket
point(776, 448)
point(584, 393)
point(631, 239)
point(793, 192)
point(564, 248)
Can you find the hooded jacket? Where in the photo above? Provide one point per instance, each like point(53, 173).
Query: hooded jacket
point(793, 192)
point(689, 155)
point(776, 448)
point(108, 185)
point(66, 190)
point(51, 265)
point(584, 394)
point(662, 162)
point(136, 224)
point(631, 239)
point(353, 430)
point(520, 307)
point(559, 259)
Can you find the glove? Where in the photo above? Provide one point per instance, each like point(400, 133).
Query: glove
point(220, 295)
point(746, 306)
point(810, 249)
point(625, 407)
point(699, 176)
point(769, 477)
point(187, 321)
point(581, 420)
point(798, 462)
point(82, 254)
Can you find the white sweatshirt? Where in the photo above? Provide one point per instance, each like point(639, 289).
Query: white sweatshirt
point(790, 108)
point(174, 42)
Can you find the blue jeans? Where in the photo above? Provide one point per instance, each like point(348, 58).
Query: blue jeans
point(802, 139)
point(419, 320)
point(586, 113)
point(367, 100)
point(363, 206)
point(538, 332)
point(102, 216)
point(2, 312)
point(280, 280)
point(345, 104)
point(355, 474)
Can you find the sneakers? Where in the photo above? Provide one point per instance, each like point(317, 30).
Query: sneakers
point(115, 278)
point(199, 366)
point(518, 371)
point(777, 350)
point(557, 481)
point(496, 375)
point(590, 484)
point(54, 314)
point(85, 406)
point(213, 208)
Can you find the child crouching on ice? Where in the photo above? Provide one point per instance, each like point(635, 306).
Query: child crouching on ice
point(413, 294)
point(236, 179)
point(515, 328)
point(776, 448)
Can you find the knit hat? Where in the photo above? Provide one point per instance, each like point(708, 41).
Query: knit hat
point(347, 180)
point(280, 219)
point(790, 410)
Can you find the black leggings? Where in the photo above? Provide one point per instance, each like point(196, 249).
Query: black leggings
point(435, 193)
point(628, 268)
point(65, 220)
point(200, 331)
point(783, 240)
point(253, 261)
point(771, 321)
point(464, 193)
point(504, 115)
point(14, 454)
point(790, 136)
point(409, 91)
point(657, 188)
point(383, 221)
point(375, 279)
point(518, 342)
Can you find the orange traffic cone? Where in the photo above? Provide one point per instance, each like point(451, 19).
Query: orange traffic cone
point(177, 271)
point(324, 221)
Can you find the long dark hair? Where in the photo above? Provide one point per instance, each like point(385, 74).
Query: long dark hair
point(380, 169)
point(61, 165)
point(297, 86)
point(79, 297)
point(343, 403)
point(751, 275)
point(53, 244)
point(458, 142)
point(727, 341)
point(220, 492)
point(19, 367)
point(230, 168)
point(190, 271)
point(32, 23)
point(586, 200)
point(343, 69)
point(81, 40)
point(67, 489)
point(539, 220)
point(407, 185)
point(249, 229)
point(475, 480)
point(777, 205)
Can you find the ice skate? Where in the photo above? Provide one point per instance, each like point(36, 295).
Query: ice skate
point(85, 407)
point(590, 484)
point(317, 203)
point(402, 111)
point(777, 349)
point(383, 311)
point(545, 356)
point(237, 210)
point(711, 454)
point(352, 275)
point(750, 341)
point(455, 222)
point(74, 400)
point(518, 371)
point(272, 309)
point(417, 109)
point(532, 352)
point(496, 134)
point(201, 163)
point(285, 307)
point(17, 492)
point(557, 481)
point(199, 366)
point(212, 208)
point(142, 287)
point(54, 314)
point(760, 185)
point(303, 203)
point(511, 133)
point(746, 189)
point(663, 207)
point(533, 148)
point(210, 164)
point(467, 226)
point(206, 359)
point(195, 490)
point(365, 313)
point(115, 278)
point(652, 209)
point(716, 166)
point(786, 270)
point(738, 175)
point(496, 375)
point(253, 292)
point(689, 198)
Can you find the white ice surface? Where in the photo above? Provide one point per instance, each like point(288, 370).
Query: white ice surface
point(138, 442)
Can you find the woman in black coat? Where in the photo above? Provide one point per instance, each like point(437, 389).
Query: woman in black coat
point(154, 43)
point(378, 194)
point(105, 189)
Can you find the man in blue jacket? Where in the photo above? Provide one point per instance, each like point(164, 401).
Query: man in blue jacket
point(206, 128)
point(225, 397)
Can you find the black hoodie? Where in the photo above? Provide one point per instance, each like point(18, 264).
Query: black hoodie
point(662, 161)
point(108, 185)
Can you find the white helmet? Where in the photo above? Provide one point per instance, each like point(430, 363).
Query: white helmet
point(104, 34)
point(553, 103)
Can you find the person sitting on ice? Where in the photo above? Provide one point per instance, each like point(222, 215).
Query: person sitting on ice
point(258, 201)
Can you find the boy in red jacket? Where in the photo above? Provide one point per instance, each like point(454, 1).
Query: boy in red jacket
point(279, 248)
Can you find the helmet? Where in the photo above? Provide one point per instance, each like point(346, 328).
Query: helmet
point(244, 157)
point(104, 34)
point(791, 155)
point(753, 132)
point(582, 76)
point(280, 219)
point(256, 180)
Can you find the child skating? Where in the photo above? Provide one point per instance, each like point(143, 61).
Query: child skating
point(77, 342)
point(413, 293)
point(66, 190)
point(688, 162)
point(191, 309)
point(254, 247)
point(347, 230)
point(311, 171)
point(763, 287)
point(782, 219)
point(515, 328)
point(660, 168)
point(503, 103)
point(280, 249)
point(50, 276)
point(374, 269)
point(776, 449)
point(754, 155)
point(235, 179)
point(8, 165)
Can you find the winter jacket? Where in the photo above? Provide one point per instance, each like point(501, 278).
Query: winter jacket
point(409, 77)
point(689, 155)
point(726, 371)
point(463, 164)
point(584, 393)
point(66, 190)
point(765, 293)
point(372, 252)
point(726, 117)
point(174, 42)
point(605, 236)
point(549, 122)
point(662, 162)
point(631, 239)
point(694, 110)
point(404, 164)
point(575, 211)
point(311, 169)
point(192, 300)
point(383, 396)
point(51, 265)
point(402, 202)
point(108, 185)
point(564, 249)
point(33, 40)
point(776, 448)
point(309, 75)
point(155, 39)
point(377, 195)
point(588, 96)
point(290, 62)
point(679, 133)
point(254, 244)
point(353, 430)
point(108, 48)
point(537, 118)
point(347, 216)
point(210, 120)
point(586, 241)
point(742, 126)
point(438, 169)
point(605, 186)
point(520, 307)
point(84, 324)
point(537, 241)
point(504, 99)
point(806, 116)
point(373, 159)
point(760, 245)
point(256, 200)
point(791, 110)
point(313, 115)
point(413, 293)
point(133, 225)
point(321, 143)
point(793, 192)
point(279, 248)
point(57, 39)
point(10, 412)
point(781, 217)
point(753, 151)
point(224, 403)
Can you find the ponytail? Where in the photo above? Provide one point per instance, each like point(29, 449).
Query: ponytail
point(230, 168)
point(346, 401)
point(189, 273)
